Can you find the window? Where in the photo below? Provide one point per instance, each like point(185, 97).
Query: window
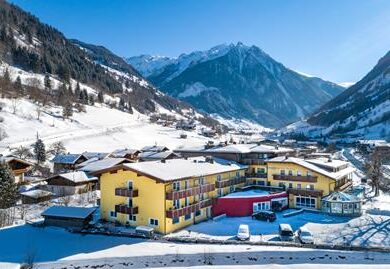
point(198, 213)
point(261, 206)
point(133, 218)
point(290, 172)
point(232, 188)
point(302, 201)
point(261, 170)
point(153, 222)
point(176, 186)
point(299, 186)
point(187, 217)
point(202, 196)
point(130, 202)
point(130, 185)
point(176, 203)
point(187, 201)
point(113, 214)
point(220, 192)
point(282, 172)
point(260, 183)
point(282, 185)
point(299, 173)
point(202, 181)
point(310, 187)
point(238, 174)
point(219, 178)
point(290, 185)
point(175, 220)
point(309, 174)
point(186, 184)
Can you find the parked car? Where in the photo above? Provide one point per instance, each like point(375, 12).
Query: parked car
point(264, 215)
point(144, 231)
point(305, 236)
point(243, 232)
point(286, 232)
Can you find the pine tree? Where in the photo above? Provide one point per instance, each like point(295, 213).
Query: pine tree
point(100, 97)
point(67, 111)
point(130, 107)
point(47, 82)
point(8, 188)
point(91, 100)
point(18, 85)
point(40, 151)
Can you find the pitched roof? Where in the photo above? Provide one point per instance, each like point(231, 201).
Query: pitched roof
point(11, 158)
point(121, 153)
point(155, 148)
point(76, 177)
point(66, 158)
point(103, 164)
point(36, 193)
point(68, 212)
point(98, 155)
point(176, 169)
point(341, 197)
point(151, 155)
point(334, 175)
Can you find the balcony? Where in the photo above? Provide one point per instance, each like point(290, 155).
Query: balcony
point(256, 175)
point(174, 213)
point(253, 162)
point(305, 192)
point(345, 186)
point(230, 182)
point(174, 195)
point(295, 178)
point(125, 192)
point(125, 209)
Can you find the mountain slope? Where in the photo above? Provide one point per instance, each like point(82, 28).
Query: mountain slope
point(28, 44)
point(240, 82)
point(363, 106)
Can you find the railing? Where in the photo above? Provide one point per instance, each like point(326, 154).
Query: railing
point(345, 186)
point(257, 175)
point(230, 182)
point(125, 192)
point(20, 171)
point(125, 209)
point(305, 192)
point(295, 178)
point(253, 162)
point(173, 213)
point(174, 195)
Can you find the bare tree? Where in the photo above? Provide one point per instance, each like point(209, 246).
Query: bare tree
point(374, 171)
point(22, 152)
point(38, 111)
point(3, 134)
point(15, 105)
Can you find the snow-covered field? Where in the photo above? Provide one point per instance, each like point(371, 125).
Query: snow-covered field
point(56, 248)
point(99, 129)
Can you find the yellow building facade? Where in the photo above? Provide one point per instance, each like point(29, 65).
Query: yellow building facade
point(135, 198)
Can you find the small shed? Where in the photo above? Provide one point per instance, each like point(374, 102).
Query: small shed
point(71, 183)
point(18, 166)
point(67, 162)
point(68, 217)
point(341, 204)
point(35, 196)
point(131, 154)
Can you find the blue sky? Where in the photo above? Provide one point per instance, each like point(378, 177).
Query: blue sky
point(338, 40)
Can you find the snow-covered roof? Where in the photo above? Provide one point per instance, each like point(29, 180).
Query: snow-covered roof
point(68, 212)
point(234, 148)
point(36, 193)
point(66, 158)
point(121, 153)
point(154, 148)
point(152, 155)
point(103, 164)
point(176, 169)
point(270, 149)
point(11, 158)
point(77, 177)
point(327, 162)
point(341, 197)
point(98, 155)
point(334, 175)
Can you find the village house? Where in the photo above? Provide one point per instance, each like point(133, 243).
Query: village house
point(18, 166)
point(130, 154)
point(35, 196)
point(307, 181)
point(93, 166)
point(71, 183)
point(67, 162)
point(168, 194)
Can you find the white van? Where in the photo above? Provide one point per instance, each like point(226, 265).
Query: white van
point(243, 232)
point(286, 233)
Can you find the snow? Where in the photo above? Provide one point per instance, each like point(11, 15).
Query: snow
point(184, 168)
point(346, 84)
point(36, 193)
point(69, 212)
point(78, 177)
point(195, 89)
point(56, 248)
point(103, 164)
point(246, 194)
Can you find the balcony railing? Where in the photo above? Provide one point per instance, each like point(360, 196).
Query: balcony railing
point(125, 192)
point(253, 162)
point(173, 213)
point(125, 209)
point(345, 186)
point(295, 178)
point(305, 192)
point(230, 182)
point(174, 195)
point(256, 175)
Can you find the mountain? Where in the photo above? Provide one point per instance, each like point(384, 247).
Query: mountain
point(363, 108)
point(238, 81)
point(38, 50)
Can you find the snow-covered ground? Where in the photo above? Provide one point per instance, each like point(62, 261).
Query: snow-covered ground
point(99, 129)
point(57, 248)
